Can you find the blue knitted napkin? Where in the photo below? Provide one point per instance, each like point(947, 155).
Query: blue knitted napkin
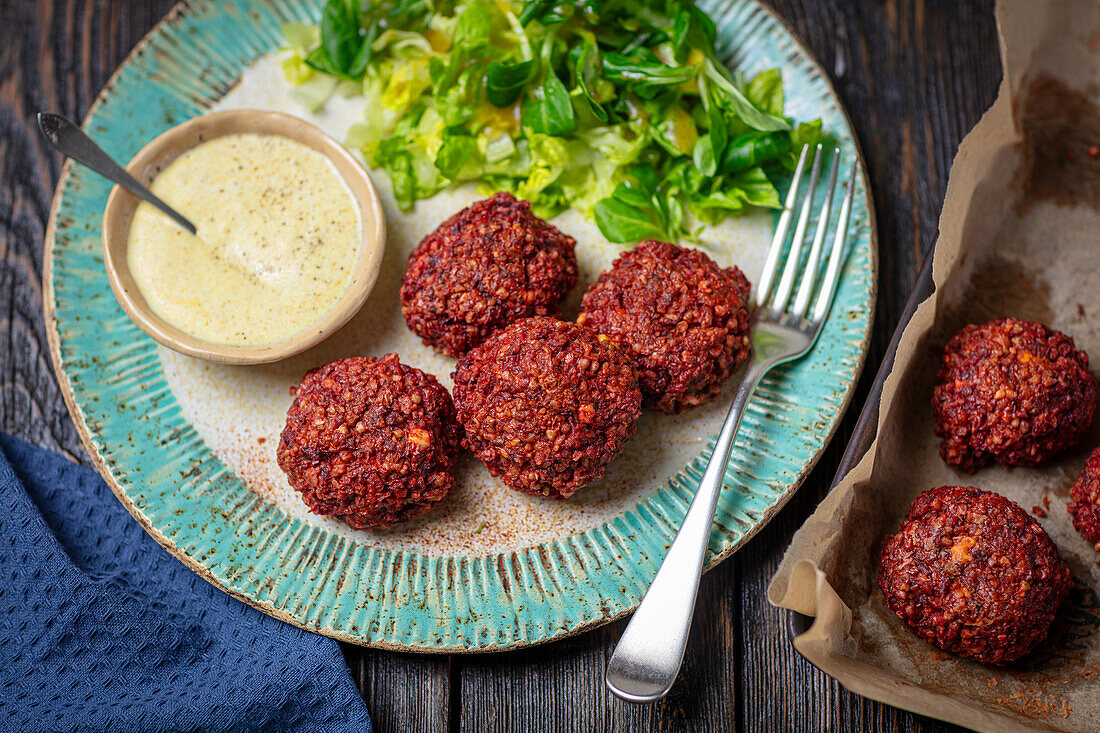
point(102, 630)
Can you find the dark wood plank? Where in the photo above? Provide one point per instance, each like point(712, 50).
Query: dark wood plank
point(404, 692)
point(560, 686)
point(57, 56)
point(915, 77)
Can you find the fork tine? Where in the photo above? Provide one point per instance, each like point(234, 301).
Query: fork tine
point(832, 275)
point(809, 276)
point(763, 288)
point(786, 283)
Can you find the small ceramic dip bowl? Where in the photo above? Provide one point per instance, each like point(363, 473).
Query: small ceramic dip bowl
point(161, 152)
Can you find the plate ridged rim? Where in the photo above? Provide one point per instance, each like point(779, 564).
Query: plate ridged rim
point(400, 599)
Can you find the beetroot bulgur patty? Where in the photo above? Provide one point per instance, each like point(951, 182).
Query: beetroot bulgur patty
point(370, 441)
point(485, 267)
point(971, 573)
point(682, 320)
point(1084, 506)
point(546, 405)
point(1011, 391)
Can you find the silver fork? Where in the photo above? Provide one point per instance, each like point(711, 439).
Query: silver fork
point(648, 656)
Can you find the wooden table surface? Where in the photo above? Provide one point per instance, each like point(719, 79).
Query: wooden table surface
point(915, 75)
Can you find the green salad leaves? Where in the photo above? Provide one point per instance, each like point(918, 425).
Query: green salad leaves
point(619, 108)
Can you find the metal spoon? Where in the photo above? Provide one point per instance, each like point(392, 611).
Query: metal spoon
point(67, 137)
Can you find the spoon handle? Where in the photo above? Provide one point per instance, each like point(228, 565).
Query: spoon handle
point(67, 137)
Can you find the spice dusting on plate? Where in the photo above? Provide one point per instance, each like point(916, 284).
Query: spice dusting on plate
point(279, 236)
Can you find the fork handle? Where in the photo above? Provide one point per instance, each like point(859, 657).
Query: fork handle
point(648, 656)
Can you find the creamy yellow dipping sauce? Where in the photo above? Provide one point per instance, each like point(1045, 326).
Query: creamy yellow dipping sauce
point(279, 236)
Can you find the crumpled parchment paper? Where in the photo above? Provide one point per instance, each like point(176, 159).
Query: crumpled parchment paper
point(1019, 236)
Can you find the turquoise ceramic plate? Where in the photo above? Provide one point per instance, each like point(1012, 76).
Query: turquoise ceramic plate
point(303, 570)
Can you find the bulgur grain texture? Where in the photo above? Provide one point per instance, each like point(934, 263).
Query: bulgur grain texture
point(487, 266)
point(370, 441)
point(1011, 391)
point(546, 405)
point(973, 574)
point(1084, 504)
point(682, 320)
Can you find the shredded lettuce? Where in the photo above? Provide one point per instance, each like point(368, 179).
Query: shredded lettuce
point(618, 108)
